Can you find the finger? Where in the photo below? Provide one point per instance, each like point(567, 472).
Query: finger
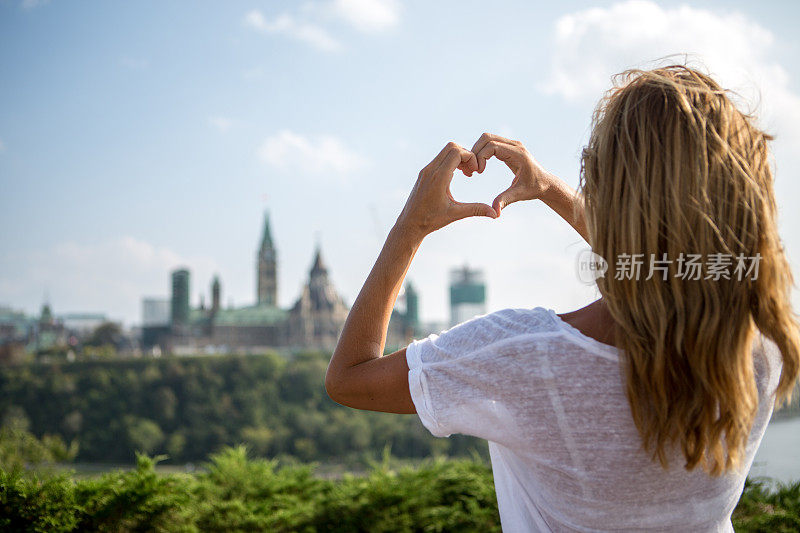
point(502, 151)
point(505, 140)
point(469, 166)
point(488, 137)
point(456, 157)
point(478, 146)
point(508, 196)
point(441, 156)
point(460, 210)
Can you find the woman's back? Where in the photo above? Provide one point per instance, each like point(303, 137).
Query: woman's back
point(565, 452)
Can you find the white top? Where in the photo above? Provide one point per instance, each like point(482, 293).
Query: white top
point(565, 453)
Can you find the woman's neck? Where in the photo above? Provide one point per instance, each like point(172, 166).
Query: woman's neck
point(594, 321)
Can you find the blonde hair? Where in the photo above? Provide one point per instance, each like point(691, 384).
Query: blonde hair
point(671, 167)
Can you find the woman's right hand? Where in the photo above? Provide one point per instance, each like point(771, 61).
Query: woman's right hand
point(530, 182)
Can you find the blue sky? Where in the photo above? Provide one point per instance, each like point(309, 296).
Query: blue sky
point(137, 137)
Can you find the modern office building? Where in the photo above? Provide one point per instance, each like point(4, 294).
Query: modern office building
point(179, 308)
point(155, 312)
point(467, 294)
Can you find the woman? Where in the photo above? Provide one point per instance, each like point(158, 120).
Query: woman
point(645, 408)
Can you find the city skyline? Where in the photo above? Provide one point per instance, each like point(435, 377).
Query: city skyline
point(158, 137)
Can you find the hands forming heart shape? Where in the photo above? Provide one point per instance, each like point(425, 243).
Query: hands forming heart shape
point(431, 206)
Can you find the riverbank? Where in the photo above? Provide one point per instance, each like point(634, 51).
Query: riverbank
point(778, 455)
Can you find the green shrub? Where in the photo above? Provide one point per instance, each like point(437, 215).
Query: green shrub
point(28, 503)
point(234, 493)
point(761, 509)
point(138, 500)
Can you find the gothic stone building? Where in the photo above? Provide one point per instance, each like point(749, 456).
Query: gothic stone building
point(313, 322)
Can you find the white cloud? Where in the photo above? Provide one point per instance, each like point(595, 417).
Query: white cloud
point(593, 44)
point(324, 155)
point(286, 24)
point(368, 15)
point(31, 4)
point(110, 276)
point(221, 123)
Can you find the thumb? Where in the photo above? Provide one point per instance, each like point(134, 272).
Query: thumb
point(473, 210)
point(508, 196)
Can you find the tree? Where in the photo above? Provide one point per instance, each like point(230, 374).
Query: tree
point(145, 435)
point(20, 449)
point(107, 333)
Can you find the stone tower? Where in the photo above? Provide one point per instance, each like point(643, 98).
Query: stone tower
point(267, 282)
point(216, 293)
point(317, 317)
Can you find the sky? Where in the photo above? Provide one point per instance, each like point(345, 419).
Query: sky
point(137, 137)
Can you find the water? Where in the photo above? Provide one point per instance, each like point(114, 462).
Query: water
point(778, 457)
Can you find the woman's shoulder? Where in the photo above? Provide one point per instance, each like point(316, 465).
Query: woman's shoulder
point(767, 363)
point(485, 330)
point(518, 320)
point(541, 316)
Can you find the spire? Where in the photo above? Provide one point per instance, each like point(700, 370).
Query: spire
point(266, 239)
point(216, 291)
point(266, 263)
point(46, 316)
point(319, 265)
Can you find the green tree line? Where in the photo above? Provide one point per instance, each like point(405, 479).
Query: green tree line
point(189, 407)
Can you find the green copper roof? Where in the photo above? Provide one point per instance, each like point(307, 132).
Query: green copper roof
point(198, 316)
point(45, 341)
point(257, 315)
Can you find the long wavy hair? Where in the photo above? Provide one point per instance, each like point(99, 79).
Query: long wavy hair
point(674, 169)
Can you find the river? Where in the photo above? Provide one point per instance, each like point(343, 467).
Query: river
point(778, 457)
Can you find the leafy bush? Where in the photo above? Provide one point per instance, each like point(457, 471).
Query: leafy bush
point(33, 504)
point(761, 509)
point(238, 494)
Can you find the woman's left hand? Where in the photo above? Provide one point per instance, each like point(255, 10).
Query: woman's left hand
point(431, 206)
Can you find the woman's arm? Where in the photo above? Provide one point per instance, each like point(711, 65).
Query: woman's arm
point(353, 378)
point(358, 374)
point(531, 181)
point(565, 201)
